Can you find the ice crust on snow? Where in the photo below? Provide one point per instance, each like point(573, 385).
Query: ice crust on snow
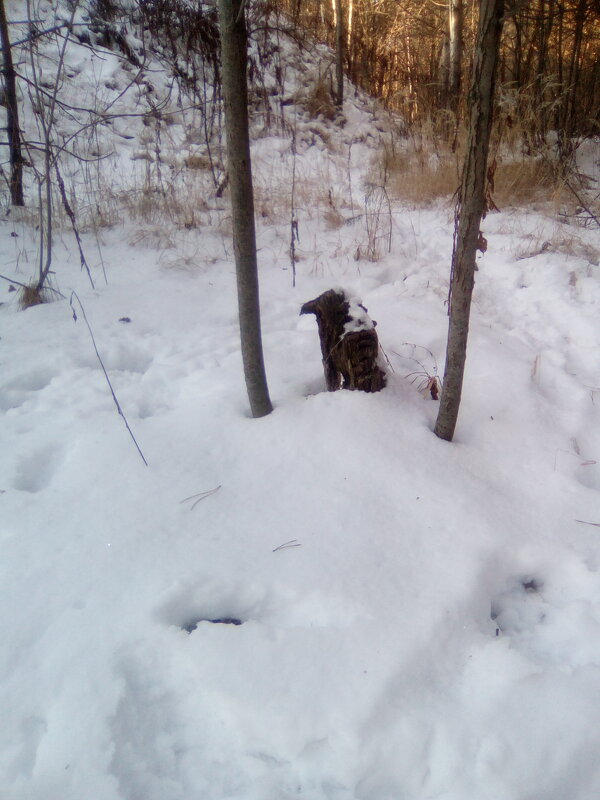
point(434, 632)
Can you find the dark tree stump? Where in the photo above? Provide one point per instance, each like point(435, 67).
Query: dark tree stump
point(349, 343)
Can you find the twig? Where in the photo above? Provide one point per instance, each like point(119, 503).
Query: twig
point(389, 363)
point(75, 296)
point(428, 380)
point(294, 233)
point(71, 214)
point(593, 390)
point(583, 522)
point(348, 167)
point(12, 280)
point(582, 203)
point(416, 360)
point(200, 496)
point(37, 34)
point(287, 545)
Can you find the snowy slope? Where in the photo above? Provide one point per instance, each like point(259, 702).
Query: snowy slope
point(418, 619)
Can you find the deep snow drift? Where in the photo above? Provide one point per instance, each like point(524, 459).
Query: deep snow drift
point(417, 619)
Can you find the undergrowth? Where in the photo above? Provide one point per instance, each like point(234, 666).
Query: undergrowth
point(422, 177)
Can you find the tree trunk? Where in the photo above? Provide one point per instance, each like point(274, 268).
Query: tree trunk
point(12, 114)
point(339, 53)
point(569, 127)
point(518, 53)
point(234, 42)
point(349, 342)
point(455, 47)
point(349, 45)
point(470, 211)
point(545, 23)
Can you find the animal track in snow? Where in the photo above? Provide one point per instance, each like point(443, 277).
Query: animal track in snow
point(192, 625)
point(117, 356)
point(26, 742)
point(588, 475)
point(188, 609)
point(36, 470)
point(16, 391)
point(146, 765)
point(276, 606)
point(559, 623)
point(520, 608)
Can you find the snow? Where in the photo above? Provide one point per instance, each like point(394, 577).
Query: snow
point(419, 619)
point(359, 318)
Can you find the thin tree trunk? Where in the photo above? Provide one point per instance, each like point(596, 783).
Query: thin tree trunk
point(470, 211)
point(518, 53)
point(557, 116)
point(349, 26)
point(339, 53)
point(234, 42)
point(12, 114)
point(545, 23)
point(455, 48)
point(571, 116)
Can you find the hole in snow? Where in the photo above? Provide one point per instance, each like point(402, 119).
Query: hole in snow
point(520, 607)
point(531, 584)
point(206, 601)
point(193, 624)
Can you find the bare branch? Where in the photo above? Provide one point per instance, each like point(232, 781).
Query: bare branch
point(200, 496)
point(75, 296)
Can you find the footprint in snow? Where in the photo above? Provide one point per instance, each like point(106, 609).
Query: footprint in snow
point(192, 624)
point(18, 390)
point(146, 731)
point(204, 603)
point(36, 470)
point(520, 607)
point(557, 624)
point(117, 356)
point(26, 741)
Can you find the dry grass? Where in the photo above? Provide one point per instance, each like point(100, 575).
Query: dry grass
point(155, 238)
point(527, 181)
point(420, 179)
point(182, 205)
point(315, 97)
point(313, 193)
point(30, 296)
point(197, 162)
point(427, 175)
point(559, 239)
point(332, 219)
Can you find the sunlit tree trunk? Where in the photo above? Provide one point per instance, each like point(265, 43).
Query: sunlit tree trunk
point(349, 39)
point(455, 50)
point(470, 211)
point(12, 114)
point(339, 53)
point(234, 44)
point(350, 20)
point(545, 22)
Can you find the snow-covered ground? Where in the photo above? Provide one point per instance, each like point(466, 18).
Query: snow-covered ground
point(329, 602)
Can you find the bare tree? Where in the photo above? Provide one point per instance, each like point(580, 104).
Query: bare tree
point(47, 103)
point(12, 114)
point(470, 210)
point(234, 45)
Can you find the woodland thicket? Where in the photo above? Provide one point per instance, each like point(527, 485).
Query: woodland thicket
point(416, 56)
